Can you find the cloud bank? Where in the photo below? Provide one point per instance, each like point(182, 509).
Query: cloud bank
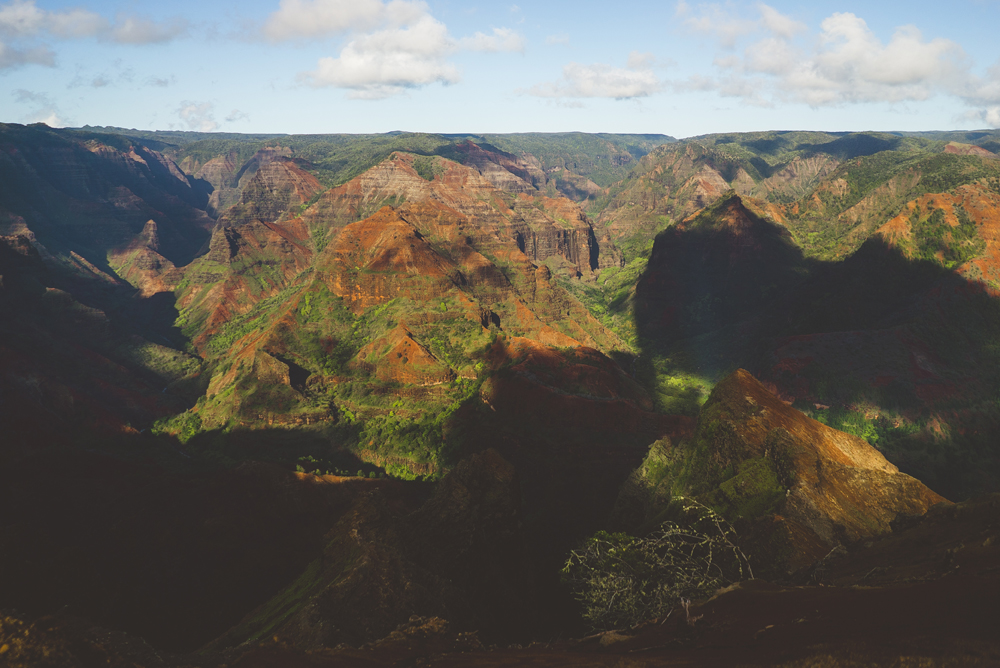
point(842, 63)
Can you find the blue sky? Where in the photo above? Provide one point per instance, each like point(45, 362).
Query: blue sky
point(679, 68)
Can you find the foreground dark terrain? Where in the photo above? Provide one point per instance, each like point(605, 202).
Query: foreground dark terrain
point(356, 400)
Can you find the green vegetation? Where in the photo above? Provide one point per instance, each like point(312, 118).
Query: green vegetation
point(609, 298)
point(935, 239)
point(752, 491)
point(602, 158)
point(183, 426)
point(427, 167)
point(168, 364)
point(888, 179)
point(331, 385)
point(335, 159)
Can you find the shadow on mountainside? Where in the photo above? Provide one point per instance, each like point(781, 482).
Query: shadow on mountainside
point(181, 553)
point(157, 539)
point(901, 352)
point(80, 355)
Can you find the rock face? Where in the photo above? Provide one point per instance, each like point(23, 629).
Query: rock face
point(503, 170)
point(799, 486)
point(443, 257)
point(427, 251)
point(277, 186)
point(968, 149)
point(574, 424)
point(244, 265)
point(405, 360)
point(507, 209)
point(91, 197)
point(229, 175)
point(221, 173)
point(141, 264)
point(381, 258)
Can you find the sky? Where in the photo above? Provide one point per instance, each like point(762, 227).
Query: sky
point(681, 68)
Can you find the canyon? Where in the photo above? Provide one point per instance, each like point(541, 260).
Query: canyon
point(355, 400)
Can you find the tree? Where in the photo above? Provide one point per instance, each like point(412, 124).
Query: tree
point(622, 580)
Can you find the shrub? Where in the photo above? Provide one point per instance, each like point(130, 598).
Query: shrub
point(622, 580)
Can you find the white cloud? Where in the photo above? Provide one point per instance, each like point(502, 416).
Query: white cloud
point(561, 39)
point(20, 18)
point(388, 62)
point(393, 46)
point(198, 116)
point(637, 79)
point(139, 30)
point(502, 39)
point(76, 23)
point(849, 64)
point(716, 20)
point(160, 82)
point(310, 19)
point(983, 93)
point(779, 24)
point(11, 57)
point(237, 115)
point(639, 61)
point(842, 63)
point(746, 89)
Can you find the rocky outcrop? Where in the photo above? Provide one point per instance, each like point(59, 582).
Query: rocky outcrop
point(243, 266)
point(269, 370)
point(571, 237)
point(221, 173)
point(574, 424)
point(961, 228)
point(141, 264)
point(959, 148)
point(381, 258)
point(426, 251)
point(799, 487)
point(796, 179)
point(674, 182)
point(398, 357)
